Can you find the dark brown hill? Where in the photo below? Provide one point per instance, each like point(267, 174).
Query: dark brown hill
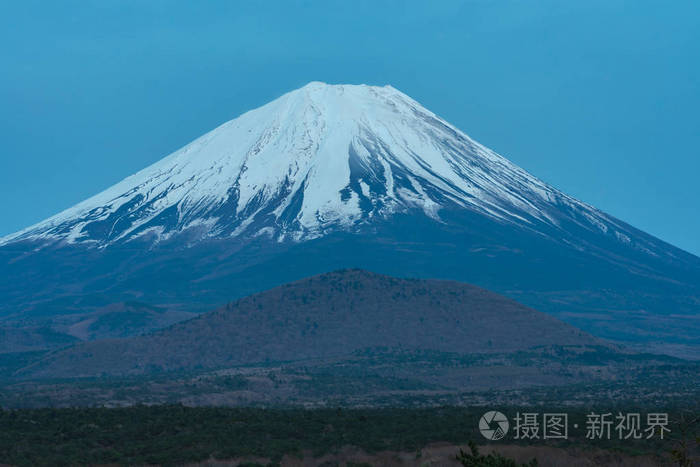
point(325, 316)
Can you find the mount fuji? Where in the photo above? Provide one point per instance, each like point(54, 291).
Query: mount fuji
point(318, 159)
point(336, 176)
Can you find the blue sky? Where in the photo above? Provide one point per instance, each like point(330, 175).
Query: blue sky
point(598, 98)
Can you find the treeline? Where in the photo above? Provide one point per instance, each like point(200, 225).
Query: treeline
point(174, 434)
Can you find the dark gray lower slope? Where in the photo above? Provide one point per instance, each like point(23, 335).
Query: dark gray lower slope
point(607, 288)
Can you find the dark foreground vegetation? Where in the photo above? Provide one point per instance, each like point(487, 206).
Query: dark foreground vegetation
point(175, 434)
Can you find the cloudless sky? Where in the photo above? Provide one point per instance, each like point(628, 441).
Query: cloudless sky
point(598, 98)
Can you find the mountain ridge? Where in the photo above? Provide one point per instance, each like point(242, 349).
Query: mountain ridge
point(326, 316)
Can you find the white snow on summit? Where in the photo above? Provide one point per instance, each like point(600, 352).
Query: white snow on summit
point(319, 158)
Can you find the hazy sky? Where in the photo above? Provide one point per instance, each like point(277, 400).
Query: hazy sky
point(598, 98)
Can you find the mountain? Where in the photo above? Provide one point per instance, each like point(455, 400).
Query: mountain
point(319, 159)
point(352, 338)
point(324, 317)
point(336, 176)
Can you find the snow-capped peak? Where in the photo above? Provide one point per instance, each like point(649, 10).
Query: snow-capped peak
point(319, 158)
